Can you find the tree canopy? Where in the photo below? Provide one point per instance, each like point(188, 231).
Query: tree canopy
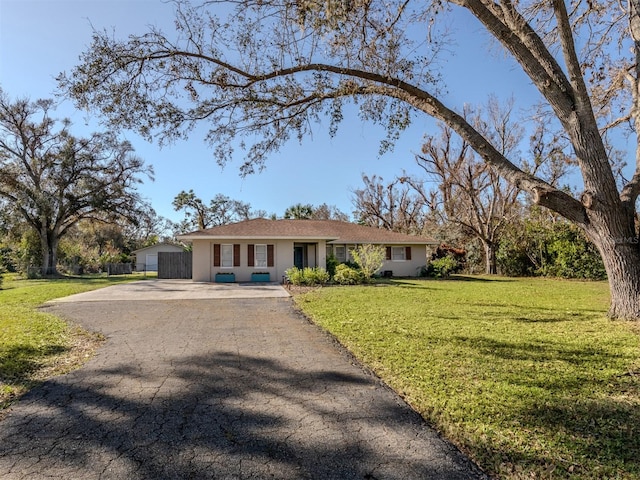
point(52, 179)
point(221, 210)
point(272, 69)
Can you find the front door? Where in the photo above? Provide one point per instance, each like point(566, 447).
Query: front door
point(298, 256)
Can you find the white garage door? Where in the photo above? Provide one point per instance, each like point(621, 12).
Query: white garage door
point(151, 262)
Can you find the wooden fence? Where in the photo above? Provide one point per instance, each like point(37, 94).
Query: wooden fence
point(174, 265)
point(118, 268)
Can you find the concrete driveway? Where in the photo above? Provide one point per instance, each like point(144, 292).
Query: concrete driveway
point(215, 388)
point(161, 289)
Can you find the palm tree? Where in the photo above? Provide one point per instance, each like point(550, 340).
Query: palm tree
point(299, 211)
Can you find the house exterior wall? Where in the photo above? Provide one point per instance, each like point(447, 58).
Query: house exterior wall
point(202, 261)
point(400, 268)
point(205, 271)
point(408, 268)
point(283, 260)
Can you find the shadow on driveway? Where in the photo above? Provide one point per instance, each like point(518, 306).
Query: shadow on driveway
point(225, 389)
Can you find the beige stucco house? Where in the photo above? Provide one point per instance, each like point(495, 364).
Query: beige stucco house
point(273, 246)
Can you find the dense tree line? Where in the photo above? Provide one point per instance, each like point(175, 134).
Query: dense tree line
point(51, 180)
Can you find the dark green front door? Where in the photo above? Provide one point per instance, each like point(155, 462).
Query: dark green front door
point(298, 256)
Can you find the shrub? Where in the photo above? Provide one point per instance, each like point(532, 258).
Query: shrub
point(307, 276)
point(369, 258)
point(442, 267)
point(294, 275)
point(315, 276)
point(332, 263)
point(346, 275)
point(557, 249)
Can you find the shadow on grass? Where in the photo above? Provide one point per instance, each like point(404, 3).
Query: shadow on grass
point(536, 314)
point(593, 417)
point(601, 428)
point(467, 278)
point(18, 362)
point(422, 282)
point(539, 351)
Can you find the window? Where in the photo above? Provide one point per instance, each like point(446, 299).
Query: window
point(350, 248)
point(340, 251)
point(260, 256)
point(226, 256)
point(398, 254)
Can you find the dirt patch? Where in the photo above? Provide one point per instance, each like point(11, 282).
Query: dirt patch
point(82, 345)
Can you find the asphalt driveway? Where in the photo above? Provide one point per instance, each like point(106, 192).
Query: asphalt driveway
point(216, 388)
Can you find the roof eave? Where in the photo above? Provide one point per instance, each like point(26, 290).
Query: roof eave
point(251, 237)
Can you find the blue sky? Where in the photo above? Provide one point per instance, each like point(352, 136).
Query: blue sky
point(39, 39)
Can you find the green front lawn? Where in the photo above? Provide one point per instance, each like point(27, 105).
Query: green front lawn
point(527, 376)
point(35, 345)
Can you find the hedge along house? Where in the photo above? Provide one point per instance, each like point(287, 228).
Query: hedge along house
point(262, 249)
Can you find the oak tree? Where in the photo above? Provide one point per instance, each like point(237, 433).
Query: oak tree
point(52, 179)
point(221, 210)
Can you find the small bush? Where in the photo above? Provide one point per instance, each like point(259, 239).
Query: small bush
point(332, 263)
point(370, 259)
point(442, 267)
point(307, 276)
point(316, 276)
point(294, 275)
point(346, 275)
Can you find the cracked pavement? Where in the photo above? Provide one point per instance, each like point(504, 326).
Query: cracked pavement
point(217, 389)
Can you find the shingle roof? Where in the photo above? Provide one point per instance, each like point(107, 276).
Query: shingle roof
point(171, 246)
point(329, 230)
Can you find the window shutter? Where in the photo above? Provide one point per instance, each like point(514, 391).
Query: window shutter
point(388, 253)
point(251, 255)
point(407, 253)
point(236, 255)
point(270, 259)
point(216, 254)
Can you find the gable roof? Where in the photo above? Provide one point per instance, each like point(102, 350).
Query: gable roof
point(332, 231)
point(155, 246)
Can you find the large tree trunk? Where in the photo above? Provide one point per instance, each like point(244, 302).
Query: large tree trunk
point(49, 242)
point(622, 261)
point(490, 258)
point(614, 234)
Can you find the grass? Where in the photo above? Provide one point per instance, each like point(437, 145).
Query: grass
point(35, 345)
point(526, 376)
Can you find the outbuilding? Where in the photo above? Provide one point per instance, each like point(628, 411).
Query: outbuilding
point(147, 257)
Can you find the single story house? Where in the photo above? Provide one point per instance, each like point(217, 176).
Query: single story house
point(261, 246)
point(147, 257)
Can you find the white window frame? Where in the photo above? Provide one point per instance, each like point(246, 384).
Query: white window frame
point(226, 255)
point(398, 254)
point(341, 258)
point(260, 256)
